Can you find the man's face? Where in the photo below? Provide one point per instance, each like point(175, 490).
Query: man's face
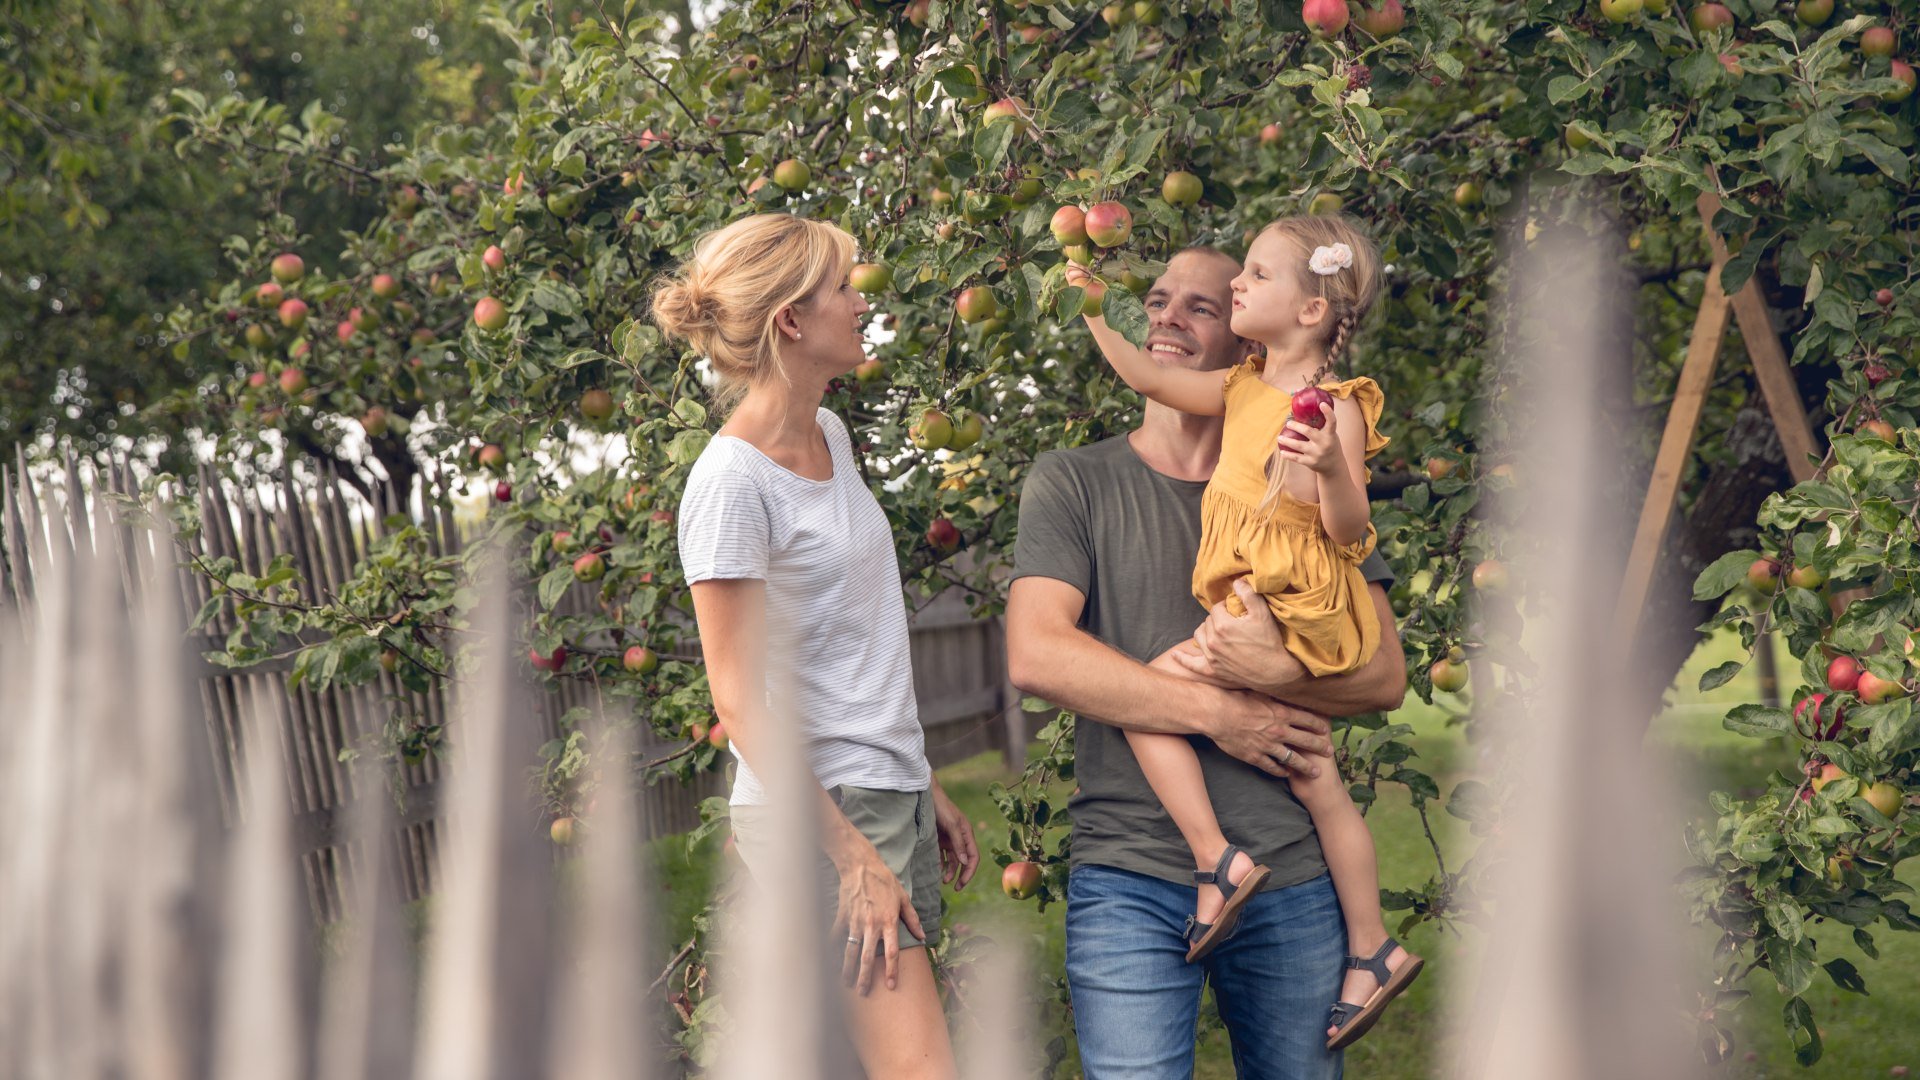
point(1188, 311)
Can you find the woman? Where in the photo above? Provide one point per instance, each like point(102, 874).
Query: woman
point(792, 567)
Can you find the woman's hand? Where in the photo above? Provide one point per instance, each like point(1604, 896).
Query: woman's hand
point(1316, 448)
point(959, 855)
point(872, 905)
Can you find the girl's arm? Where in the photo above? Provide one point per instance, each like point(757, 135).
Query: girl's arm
point(731, 615)
point(1197, 392)
point(1336, 453)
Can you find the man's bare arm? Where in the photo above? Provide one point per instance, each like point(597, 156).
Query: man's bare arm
point(1049, 656)
point(1246, 651)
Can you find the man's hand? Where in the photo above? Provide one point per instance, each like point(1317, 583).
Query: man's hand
point(1242, 650)
point(959, 855)
point(1268, 735)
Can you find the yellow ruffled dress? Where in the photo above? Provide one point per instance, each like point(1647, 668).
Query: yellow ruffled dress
point(1312, 585)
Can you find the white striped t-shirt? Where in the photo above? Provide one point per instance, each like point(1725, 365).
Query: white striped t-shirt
point(836, 622)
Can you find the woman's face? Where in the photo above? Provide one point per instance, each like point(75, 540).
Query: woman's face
point(831, 325)
point(1269, 303)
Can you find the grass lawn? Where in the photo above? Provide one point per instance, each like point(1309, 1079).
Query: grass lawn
point(1865, 1036)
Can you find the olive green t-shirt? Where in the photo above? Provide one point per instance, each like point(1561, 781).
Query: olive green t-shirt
point(1100, 519)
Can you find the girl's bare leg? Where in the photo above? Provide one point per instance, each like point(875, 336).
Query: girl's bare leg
point(1173, 770)
point(1348, 848)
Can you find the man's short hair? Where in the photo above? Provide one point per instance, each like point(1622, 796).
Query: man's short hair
point(1211, 249)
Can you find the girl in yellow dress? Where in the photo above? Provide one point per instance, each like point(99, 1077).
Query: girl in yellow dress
point(1286, 506)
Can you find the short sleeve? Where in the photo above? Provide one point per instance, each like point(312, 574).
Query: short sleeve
point(1055, 538)
point(723, 525)
point(1241, 372)
point(1375, 569)
point(1365, 393)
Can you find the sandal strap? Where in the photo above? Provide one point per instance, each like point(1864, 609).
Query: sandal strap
point(1377, 963)
point(1341, 1013)
point(1218, 875)
point(1188, 932)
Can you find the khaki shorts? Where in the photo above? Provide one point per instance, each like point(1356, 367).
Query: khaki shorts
point(900, 825)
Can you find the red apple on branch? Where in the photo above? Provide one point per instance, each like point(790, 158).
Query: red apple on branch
point(1843, 674)
point(640, 660)
point(1020, 880)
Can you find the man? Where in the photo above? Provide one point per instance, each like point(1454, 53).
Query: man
point(1102, 583)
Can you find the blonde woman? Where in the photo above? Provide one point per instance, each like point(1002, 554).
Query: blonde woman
point(791, 564)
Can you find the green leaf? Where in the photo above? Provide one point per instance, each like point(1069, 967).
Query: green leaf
point(1127, 315)
point(1724, 574)
point(690, 412)
point(687, 445)
point(1719, 675)
point(554, 584)
point(1845, 975)
point(1792, 964)
point(1758, 721)
point(556, 296)
point(1785, 919)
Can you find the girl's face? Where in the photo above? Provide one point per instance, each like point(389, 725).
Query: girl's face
point(830, 327)
point(1270, 303)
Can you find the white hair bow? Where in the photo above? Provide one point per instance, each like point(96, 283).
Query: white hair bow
point(1330, 259)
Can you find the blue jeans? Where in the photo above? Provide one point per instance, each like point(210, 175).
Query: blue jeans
point(1136, 999)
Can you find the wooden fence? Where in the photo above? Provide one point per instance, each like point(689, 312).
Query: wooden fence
point(966, 704)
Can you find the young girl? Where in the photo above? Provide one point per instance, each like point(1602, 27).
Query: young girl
point(1287, 505)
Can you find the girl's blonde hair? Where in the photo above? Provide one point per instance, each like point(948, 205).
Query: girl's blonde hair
point(1349, 292)
point(724, 297)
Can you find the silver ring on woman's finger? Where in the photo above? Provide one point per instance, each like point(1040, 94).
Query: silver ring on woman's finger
point(853, 941)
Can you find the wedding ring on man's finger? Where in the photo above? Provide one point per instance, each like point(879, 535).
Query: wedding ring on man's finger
point(1287, 761)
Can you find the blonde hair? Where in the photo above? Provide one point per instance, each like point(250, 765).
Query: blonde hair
point(724, 297)
point(1349, 292)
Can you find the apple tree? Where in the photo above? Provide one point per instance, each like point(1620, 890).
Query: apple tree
point(486, 337)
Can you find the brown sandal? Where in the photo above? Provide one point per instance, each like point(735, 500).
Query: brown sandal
point(1352, 1021)
point(1213, 933)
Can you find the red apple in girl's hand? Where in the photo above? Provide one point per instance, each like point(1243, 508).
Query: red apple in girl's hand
point(1306, 406)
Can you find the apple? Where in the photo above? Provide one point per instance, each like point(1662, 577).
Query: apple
point(1181, 188)
point(1006, 109)
point(564, 202)
point(1828, 773)
point(1441, 468)
point(1306, 406)
point(1468, 195)
point(491, 456)
point(661, 517)
point(589, 567)
point(363, 318)
point(562, 831)
point(792, 174)
point(868, 371)
point(1705, 18)
point(1764, 574)
point(945, 230)
point(293, 313)
point(966, 431)
point(390, 660)
point(1448, 675)
point(1109, 224)
point(343, 330)
point(1884, 797)
point(407, 202)
point(640, 660)
point(918, 12)
point(1876, 372)
point(1079, 254)
point(420, 336)
point(561, 542)
point(1904, 73)
point(1027, 190)
point(1382, 19)
point(1577, 137)
point(259, 336)
point(1806, 577)
point(977, 304)
point(1878, 428)
point(943, 534)
point(374, 422)
point(1069, 226)
point(1732, 65)
point(870, 278)
point(1324, 17)
point(1619, 11)
point(1873, 689)
point(257, 380)
point(717, 736)
point(503, 492)
point(1884, 297)
point(1813, 12)
point(1270, 134)
point(552, 662)
point(288, 268)
point(269, 294)
point(1491, 576)
point(489, 314)
point(757, 183)
point(1093, 305)
point(386, 286)
point(1819, 722)
point(1117, 15)
point(293, 381)
point(1020, 880)
point(1325, 203)
point(493, 258)
point(1878, 41)
point(933, 432)
point(596, 405)
point(1843, 674)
